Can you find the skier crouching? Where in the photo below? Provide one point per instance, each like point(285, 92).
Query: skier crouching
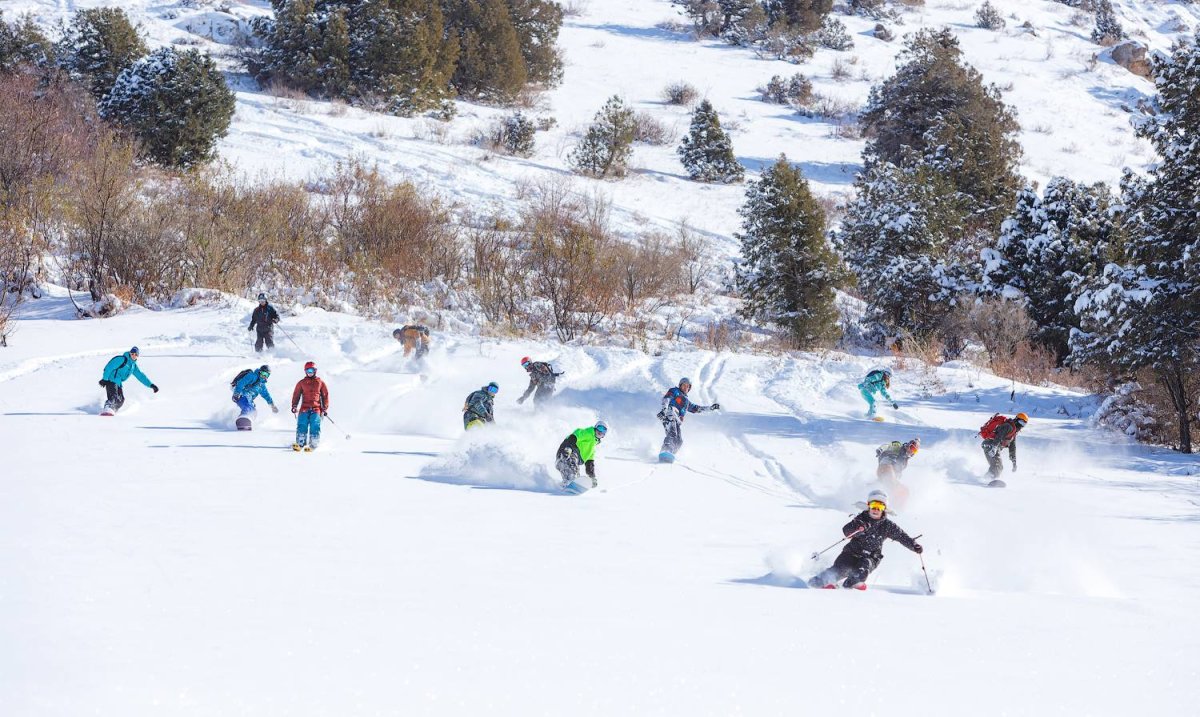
point(580, 447)
point(864, 552)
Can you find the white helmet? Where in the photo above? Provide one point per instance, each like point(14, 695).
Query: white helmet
point(877, 495)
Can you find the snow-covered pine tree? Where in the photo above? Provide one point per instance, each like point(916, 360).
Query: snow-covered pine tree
point(833, 35)
point(608, 144)
point(1144, 313)
point(706, 152)
point(1047, 247)
point(789, 271)
point(988, 17)
point(97, 45)
point(1108, 30)
point(797, 15)
point(176, 103)
point(936, 108)
point(514, 135)
point(22, 42)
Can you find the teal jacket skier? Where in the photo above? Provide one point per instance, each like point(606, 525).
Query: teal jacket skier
point(116, 372)
point(251, 385)
point(877, 381)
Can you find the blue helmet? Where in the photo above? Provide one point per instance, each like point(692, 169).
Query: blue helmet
point(492, 388)
point(134, 350)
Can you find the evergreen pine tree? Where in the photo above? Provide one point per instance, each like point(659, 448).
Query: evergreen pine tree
point(1047, 247)
point(537, 23)
point(789, 272)
point(176, 103)
point(97, 45)
point(1108, 30)
point(1145, 312)
point(937, 110)
point(490, 65)
point(798, 15)
point(22, 42)
point(988, 17)
point(706, 152)
point(608, 144)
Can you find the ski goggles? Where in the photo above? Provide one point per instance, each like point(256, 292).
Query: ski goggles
point(876, 505)
point(493, 390)
point(310, 371)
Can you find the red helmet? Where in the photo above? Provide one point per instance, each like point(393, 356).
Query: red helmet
point(526, 360)
point(309, 365)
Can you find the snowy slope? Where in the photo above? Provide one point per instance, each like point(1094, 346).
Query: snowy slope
point(1073, 112)
point(161, 563)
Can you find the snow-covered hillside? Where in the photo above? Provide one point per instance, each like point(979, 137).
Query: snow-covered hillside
point(160, 562)
point(1073, 109)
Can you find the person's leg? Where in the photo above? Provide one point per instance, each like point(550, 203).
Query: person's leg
point(269, 337)
point(314, 429)
point(870, 399)
point(246, 405)
point(857, 570)
point(995, 465)
point(258, 341)
point(567, 465)
point(302, 427)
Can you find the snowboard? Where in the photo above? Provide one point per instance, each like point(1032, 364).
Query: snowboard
point(997, 484)
point(244, 423)
point(107, 412)
point(575, 488)
point(877, 419)
point(666, 457)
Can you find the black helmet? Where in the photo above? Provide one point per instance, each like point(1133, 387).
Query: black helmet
point(262, 297)
point(264, 369)
point(396, 334)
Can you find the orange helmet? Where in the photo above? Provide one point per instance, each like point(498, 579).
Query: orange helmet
point(1020, 419)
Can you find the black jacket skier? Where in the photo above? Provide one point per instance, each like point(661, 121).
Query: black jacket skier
point(863, 553)
point(1003, 436)
point(542, 377)
point(264, 319)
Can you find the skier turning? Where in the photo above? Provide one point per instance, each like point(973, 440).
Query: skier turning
point(893, 459)
point(542, 377)
point(477, 409)
point(580, 447)
point(877, 381)
point(413, 336)
point(264, 319)
point(675, 405)
point(249, 385)
point(116, 372)
point(310, 402)
point(997, 434)
point(864, 552)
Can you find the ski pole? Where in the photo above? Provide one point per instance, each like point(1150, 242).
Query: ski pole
point(289, 338)
point(921, 556)
point(814, 556)
point(335, 425)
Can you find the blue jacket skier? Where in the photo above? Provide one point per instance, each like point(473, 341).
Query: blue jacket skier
point(116, 372)
point(251, 384)
point(877, 381)
point(477, 409)
point(675, 406)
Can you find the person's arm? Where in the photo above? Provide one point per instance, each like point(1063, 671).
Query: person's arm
point(897, 534)
point(274, 316)
point(253, 319)
point(590, 466)
point(854, 527)
point(266, 394)
point(532, 385)
point(296, 394)
point(324, 399)
point(137, 372)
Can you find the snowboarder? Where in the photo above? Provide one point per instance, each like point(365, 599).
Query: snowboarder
point(675, 405)
point(477, 409)
point(413, 336)
point(863, 553)
point(116, 372)
point(264, 319)
point(893, 459)
point(247, 386)
point(580, 447)
point(997, 434)
point(310, 402)
point(542, 377)
point(877, 381)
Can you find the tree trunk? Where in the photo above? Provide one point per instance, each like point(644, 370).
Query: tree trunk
point(1172, 377)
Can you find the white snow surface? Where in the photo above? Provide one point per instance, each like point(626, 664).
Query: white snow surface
point(1074, 113)
point(160, 562)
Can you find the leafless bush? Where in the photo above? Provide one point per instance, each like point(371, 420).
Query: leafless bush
point(575, 8)
point(649, 130)
point(695, 258)
point(840, 71)
point(648, 272)
point(680, 93)
point(1000, 326)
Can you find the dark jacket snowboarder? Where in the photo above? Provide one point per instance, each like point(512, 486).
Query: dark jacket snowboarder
point(675, 406)
point(998, 435)
point(116, 372)
point(542, 378)
point(477, 409)
point(580, 447)
point(893, 457)
point(864, 551)
point(264, 319)
point(413, 336)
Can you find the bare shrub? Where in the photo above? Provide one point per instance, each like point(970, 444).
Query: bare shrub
point(575, 8)
point(648, 272)
point(840, 71)
point(648, 130)
point(1001, 326)
point(680, 93)
point(694, 258)
point(496, 273)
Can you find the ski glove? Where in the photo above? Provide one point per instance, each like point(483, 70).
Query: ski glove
point(521, 400)
point(103, 383)
point(274, 408)
point(895, 406)
point(249, 328)
point(324, 414)
point(295, 410)
point(154, 388)
point(917, 548)
point(715, 407)
point(1014, 462)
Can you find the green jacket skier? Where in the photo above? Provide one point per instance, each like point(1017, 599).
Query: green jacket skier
point(580, 447)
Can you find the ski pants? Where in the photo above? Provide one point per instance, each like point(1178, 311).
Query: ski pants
point(853, 567)
point(543, 392)
point(246, 404)
point(567, 463)
point(674, 438)
point(869, 396)
point(308, 428)
point(991, 451)
point(265, 336)
point(115, 396)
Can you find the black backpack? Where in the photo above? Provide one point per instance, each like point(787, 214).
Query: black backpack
point(239, 377)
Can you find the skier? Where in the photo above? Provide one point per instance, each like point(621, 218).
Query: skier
point(310, 402)
point(675, 404)
point(249, 385)
point(580, 447)
point(542, 377)
point(413, 336)
point(878, 380)
point(264, 318)
point(477, 409)
point(863, 553)
point(997, 434)
point(116, 372)
point(893, 459)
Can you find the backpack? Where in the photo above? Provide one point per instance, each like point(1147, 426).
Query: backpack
point(239, 377)
point(988, 431)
